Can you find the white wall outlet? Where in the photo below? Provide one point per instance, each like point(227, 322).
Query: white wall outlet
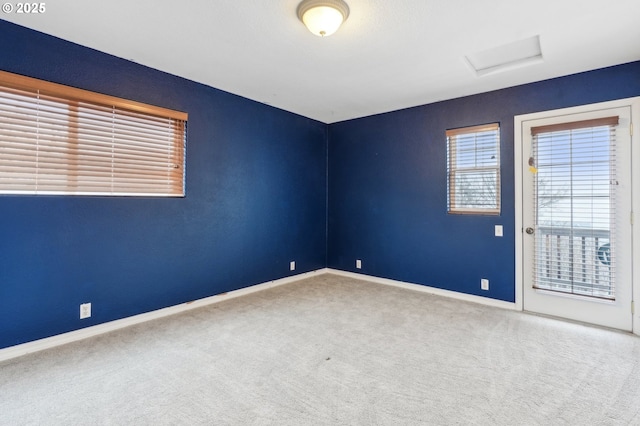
point(85, 310)
point(358, 264)
point(292, 265)
point(499, 232)
point(484, 284)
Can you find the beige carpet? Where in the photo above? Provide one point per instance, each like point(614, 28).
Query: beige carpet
point(331, 351)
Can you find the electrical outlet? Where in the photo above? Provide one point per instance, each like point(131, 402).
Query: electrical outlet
point(85, 310)
point(358, 264)
point(292, 265)
point(484, 284)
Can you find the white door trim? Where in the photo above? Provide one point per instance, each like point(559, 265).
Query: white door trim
point(634, 103)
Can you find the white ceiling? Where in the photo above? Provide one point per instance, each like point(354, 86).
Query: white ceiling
point(388, 54)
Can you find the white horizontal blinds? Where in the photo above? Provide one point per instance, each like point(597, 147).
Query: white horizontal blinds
point(125, 152)
point(474, 169)
point(52, 144)
point(575, 190)
point(20, 139)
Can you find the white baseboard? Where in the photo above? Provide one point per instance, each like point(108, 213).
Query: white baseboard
point(84, 333)
point(426, 289)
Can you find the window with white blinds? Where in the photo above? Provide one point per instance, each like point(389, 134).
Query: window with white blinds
point(56, 139)
point(575, 190)
point(473, 169)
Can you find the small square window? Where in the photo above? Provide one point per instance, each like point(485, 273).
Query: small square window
point(473, 170)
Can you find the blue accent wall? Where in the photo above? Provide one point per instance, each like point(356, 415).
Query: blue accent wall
point(388, 185)
point(255, 200)
point(264, 187)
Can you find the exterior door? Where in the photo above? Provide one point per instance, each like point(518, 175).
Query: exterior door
point(576, 214)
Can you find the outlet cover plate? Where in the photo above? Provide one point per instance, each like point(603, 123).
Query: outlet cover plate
point(484, 284)
point(85, 310)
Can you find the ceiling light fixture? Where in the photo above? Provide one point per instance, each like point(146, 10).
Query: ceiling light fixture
point(323, 17)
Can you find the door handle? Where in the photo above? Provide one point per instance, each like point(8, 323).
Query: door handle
point(530, 230)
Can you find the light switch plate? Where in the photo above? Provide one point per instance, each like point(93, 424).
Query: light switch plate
point(499, 232)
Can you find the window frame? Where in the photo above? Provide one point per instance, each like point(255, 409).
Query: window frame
point(453, 170)
point(171, 127)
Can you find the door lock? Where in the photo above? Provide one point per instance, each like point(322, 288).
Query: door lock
point(529, 230)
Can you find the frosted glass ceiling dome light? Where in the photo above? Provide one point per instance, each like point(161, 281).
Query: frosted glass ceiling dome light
point(323, 17)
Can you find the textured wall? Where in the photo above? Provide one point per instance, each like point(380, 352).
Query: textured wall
point(256, 199)
point(388, 186)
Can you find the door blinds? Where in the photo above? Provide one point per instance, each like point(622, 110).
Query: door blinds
point(575, 191)
point(56, 139)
